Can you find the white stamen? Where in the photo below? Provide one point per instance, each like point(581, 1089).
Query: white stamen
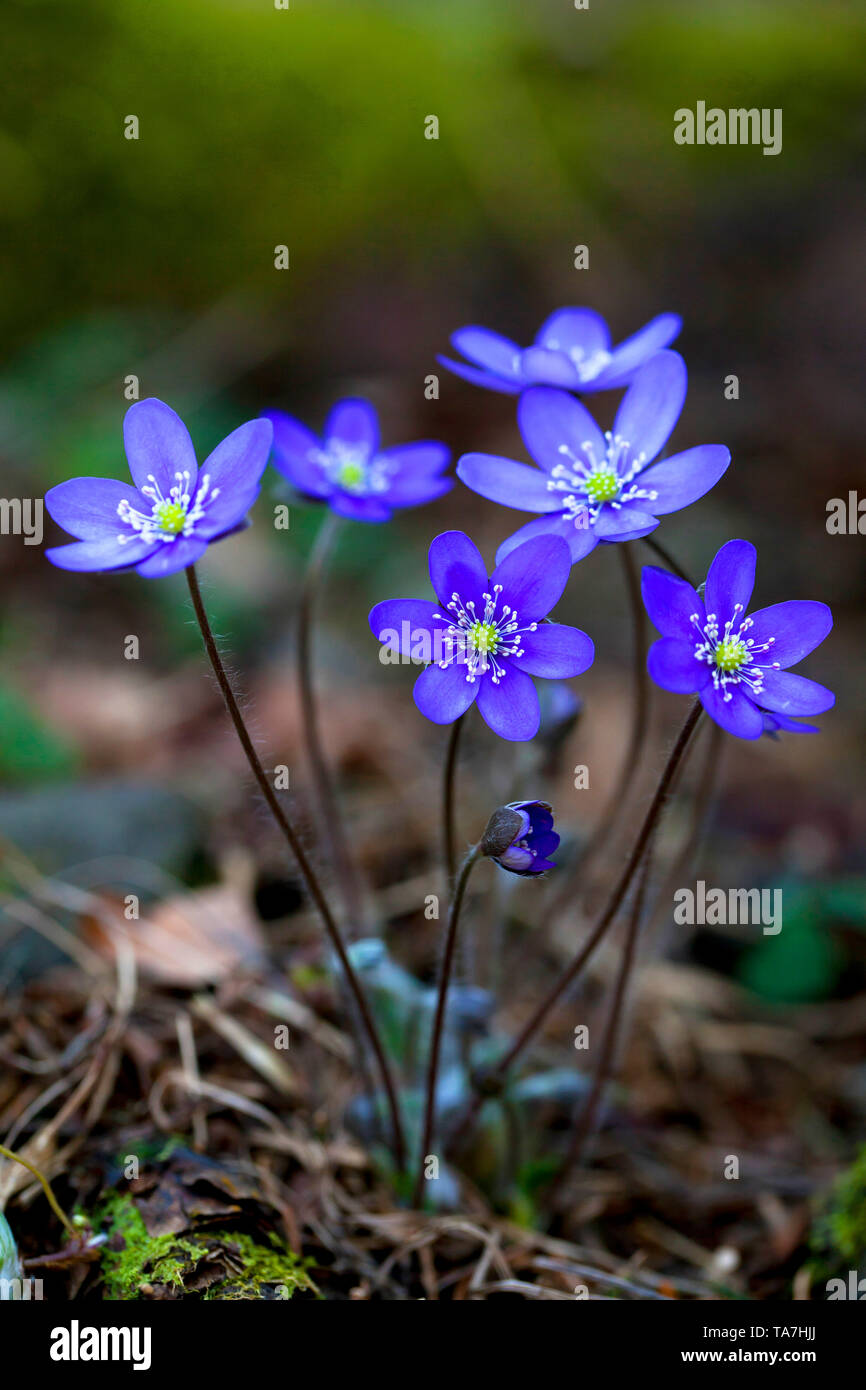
point(732, 646)
point(482, 642)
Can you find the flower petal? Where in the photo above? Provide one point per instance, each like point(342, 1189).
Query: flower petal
point(157, 443)
point(456, 567)
point(411, 621)
point(515, 860)
point(652, 404)
point(626, 524)
point(234, 471)
point(567, 329)
point(796, 627)
point(774, 722)
point(639, 348)
point(297, 455)
point(672, 665)
point(509, 386)
point(730, 580)
point(555, 651)
point(736, 715)
point(551, 421)
point(353, 422)
point(623, 523)
point(415, 492)
point(549, 368)
point(546, 843)
point(424, 458)
point(489, 350)
point(237, 464)
point(224, 514)
point(682, 479)
point(370, 509)
point(442, 696)
point(172, 556)
point(579, 539)
point(87, 507)
point(670, 603)
point(533, 577)
point(786, 693)
point(510, 707)
point(509, 483)
point(104, 554)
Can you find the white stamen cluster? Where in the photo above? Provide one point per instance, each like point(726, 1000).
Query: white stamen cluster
point(731, 653)
point(171, 516)
point(482, 642)
point(352, 470)
point(586, 364)
point(589, 483)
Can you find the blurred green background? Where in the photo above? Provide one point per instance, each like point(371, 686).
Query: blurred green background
point(305, 127)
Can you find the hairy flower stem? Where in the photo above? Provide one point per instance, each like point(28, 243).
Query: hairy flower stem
point(439, 1018)
point(328, 819)
point(702, 804)
point(449, 850)
point(585, 1125)
point(492, 1083)
point(619, 797)
point(640, 710)
point(307, 872)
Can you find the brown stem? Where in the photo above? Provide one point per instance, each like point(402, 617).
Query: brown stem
point(439, 1019)
point(449, 850)
point(640, 712)
point(493, 1082)
point(585, 1126)
point(700, 816)
point(329, 821)
point(307, 872)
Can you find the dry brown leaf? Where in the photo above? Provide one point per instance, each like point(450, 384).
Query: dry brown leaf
point(190, 940)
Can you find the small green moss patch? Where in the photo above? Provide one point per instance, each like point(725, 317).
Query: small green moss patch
point(210, 1264)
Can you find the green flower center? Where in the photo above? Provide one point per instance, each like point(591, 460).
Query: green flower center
point(484, 637)
point(603, 485)
point(170, 517)
point(730, 654)
point(352, 475)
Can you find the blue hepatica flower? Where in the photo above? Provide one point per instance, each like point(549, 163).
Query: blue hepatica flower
point(590, 486)
point(737, 665)
point(528, 852)
point(486, 638)
point(572, 350)
point(348, 470)
point(174, 511)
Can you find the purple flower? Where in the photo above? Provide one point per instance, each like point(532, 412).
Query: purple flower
point(348, 470)
point(174, 511)
point(737, 665)
point(486, 638)
point(591, 486)
point(572, 350)
point(528, 852)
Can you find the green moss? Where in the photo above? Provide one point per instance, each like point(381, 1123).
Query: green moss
point(839, 1233)
point(271, 1266)
point(258, 1270)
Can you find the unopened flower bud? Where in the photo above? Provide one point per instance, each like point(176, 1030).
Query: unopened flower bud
point(520, 836)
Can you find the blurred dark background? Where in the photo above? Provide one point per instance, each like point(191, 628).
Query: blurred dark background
point(305, 127)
